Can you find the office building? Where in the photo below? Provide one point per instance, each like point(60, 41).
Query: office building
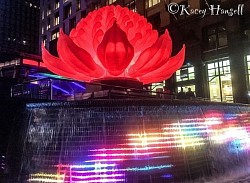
point(217, 65)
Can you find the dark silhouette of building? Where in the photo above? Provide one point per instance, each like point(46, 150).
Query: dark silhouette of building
point(19, 26)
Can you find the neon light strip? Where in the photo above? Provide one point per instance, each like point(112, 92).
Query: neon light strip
point(80, 86)
point(65, 91)
point(146, 168)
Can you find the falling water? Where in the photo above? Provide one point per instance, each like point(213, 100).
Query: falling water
point(135, 141)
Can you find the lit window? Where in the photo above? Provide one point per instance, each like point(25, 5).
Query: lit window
point(42, 15)
point(48, 25)
point(67, 11)
point(108, 2)
point(56, 21)
point(248, 68)
point(150, 3)
point(219, 80)
point(44, 40)
point(55, 34)
point(185, 73)
point(57, 4)
point(78, 5)
point(49, 10)
point(42, 29)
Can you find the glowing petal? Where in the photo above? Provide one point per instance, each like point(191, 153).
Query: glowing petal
point(153, 57)
point(57, 66)
point(77, 58)
point(115, 52)
point(165, 71)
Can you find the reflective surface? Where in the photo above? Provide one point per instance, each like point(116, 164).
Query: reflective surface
point(134, 141)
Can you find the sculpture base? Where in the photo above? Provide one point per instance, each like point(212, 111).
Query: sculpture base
point(119, 83)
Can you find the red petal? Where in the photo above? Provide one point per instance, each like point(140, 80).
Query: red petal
point(58, 67)
point(153, 57)
point(115, 52)
point(166, 70)
point(77, 58)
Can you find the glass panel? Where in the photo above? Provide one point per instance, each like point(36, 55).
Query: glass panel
point(220, 86)
point(211, 72)
point(227, 91)
point(222, 39)
point(210, 66)
point(221, 70)
point(214, 86)
point(191, 69)
point(178, 78)
point(212, 41)
point(226, 62)
point(227, 69)
point(248, 66)
point(248, 57)
point(191, 76)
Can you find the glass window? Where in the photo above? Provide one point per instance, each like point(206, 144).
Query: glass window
point(185, 73)
point(157, 87)
point(67, 11)
point(55, 34)
point(57, 4)
point(49, 10)
point(72, 23)
point(216, 37)
point(108, 2)
point(78, 5)
point(150, 3)
point(219, 79)
point(56, 20)
point(48, 24)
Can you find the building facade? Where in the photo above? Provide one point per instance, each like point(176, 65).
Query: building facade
point(217, 65)
point(19, 26)
point(19, 39)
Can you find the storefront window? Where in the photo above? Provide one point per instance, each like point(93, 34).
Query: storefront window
point(248, 69)
point(219, 79)
point(185, 73)
point(185, 88)
point(157, 87)
point(150, 3)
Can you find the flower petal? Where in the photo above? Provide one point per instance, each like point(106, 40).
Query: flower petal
point(115, 52)
point(77, 58)
point(153, 57)
point(58, 67)
point(166, 70)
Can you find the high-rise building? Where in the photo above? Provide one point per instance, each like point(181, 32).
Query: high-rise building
point(19, 25)
point(19, 40)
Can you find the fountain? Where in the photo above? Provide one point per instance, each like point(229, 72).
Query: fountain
point(135, 141)
point(125, 140)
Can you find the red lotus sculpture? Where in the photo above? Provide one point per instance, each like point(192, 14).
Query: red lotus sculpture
point(114, 42)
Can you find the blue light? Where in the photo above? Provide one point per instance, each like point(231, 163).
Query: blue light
point(64, 91)
point(80, 86)
point(167, 176)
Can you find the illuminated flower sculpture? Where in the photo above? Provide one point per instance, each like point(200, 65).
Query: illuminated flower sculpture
point(114, 42)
